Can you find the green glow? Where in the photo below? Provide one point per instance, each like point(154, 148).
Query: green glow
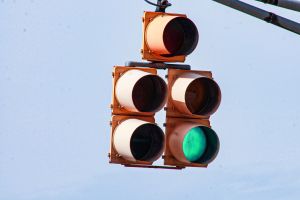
point(194, 144)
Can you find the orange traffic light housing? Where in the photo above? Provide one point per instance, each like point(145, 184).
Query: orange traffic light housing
point(137, 94)
point(168, 37)
point(192, 97)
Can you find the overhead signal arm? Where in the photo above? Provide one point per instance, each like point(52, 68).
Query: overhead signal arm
point(288, 4)
point(265, 15)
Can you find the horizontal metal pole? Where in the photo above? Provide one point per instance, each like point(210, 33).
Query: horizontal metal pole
point(262, 14)
point(157, 65)
point(154, 166)
point(288, 4)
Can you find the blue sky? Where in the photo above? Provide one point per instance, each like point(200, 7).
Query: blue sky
point(56, 59)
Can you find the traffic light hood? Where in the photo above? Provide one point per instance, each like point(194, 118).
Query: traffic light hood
point(140, 91)
point(138, 140)
point(168, 37)
point(171, 35)
point(195, 94)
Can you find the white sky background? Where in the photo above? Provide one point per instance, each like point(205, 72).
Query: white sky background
point(56, 59)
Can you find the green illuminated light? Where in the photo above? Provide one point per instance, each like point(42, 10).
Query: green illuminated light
point(194, 144)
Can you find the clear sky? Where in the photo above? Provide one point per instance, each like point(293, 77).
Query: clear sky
point(56, 59)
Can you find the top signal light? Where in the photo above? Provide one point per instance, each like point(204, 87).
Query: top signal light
point(168, 37)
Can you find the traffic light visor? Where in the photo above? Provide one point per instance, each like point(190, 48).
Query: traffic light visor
point(196, 94)
point(138, 140)
point(139, 91)
point(168, 35)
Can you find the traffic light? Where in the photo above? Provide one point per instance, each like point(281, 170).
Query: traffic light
point(192, 97)
point(168, 37)
point(137, 94)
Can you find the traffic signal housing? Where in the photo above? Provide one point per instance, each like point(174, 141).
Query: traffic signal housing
point(168, 37)
point(192, 97)
point(137, 94)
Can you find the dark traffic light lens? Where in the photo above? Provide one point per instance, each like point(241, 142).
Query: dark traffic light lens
point(147, 142)
point(194, 144)
point(180, 36)
point(149, 93)
point(202, 96)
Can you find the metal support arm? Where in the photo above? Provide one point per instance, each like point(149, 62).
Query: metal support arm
point(288, 4)
point(262, 14)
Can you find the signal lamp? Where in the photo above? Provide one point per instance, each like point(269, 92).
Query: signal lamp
point(193, 143)
point(138, 91)
point(168, 37)
point(138, 140)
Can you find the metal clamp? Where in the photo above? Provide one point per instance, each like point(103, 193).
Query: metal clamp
point(161, 5)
